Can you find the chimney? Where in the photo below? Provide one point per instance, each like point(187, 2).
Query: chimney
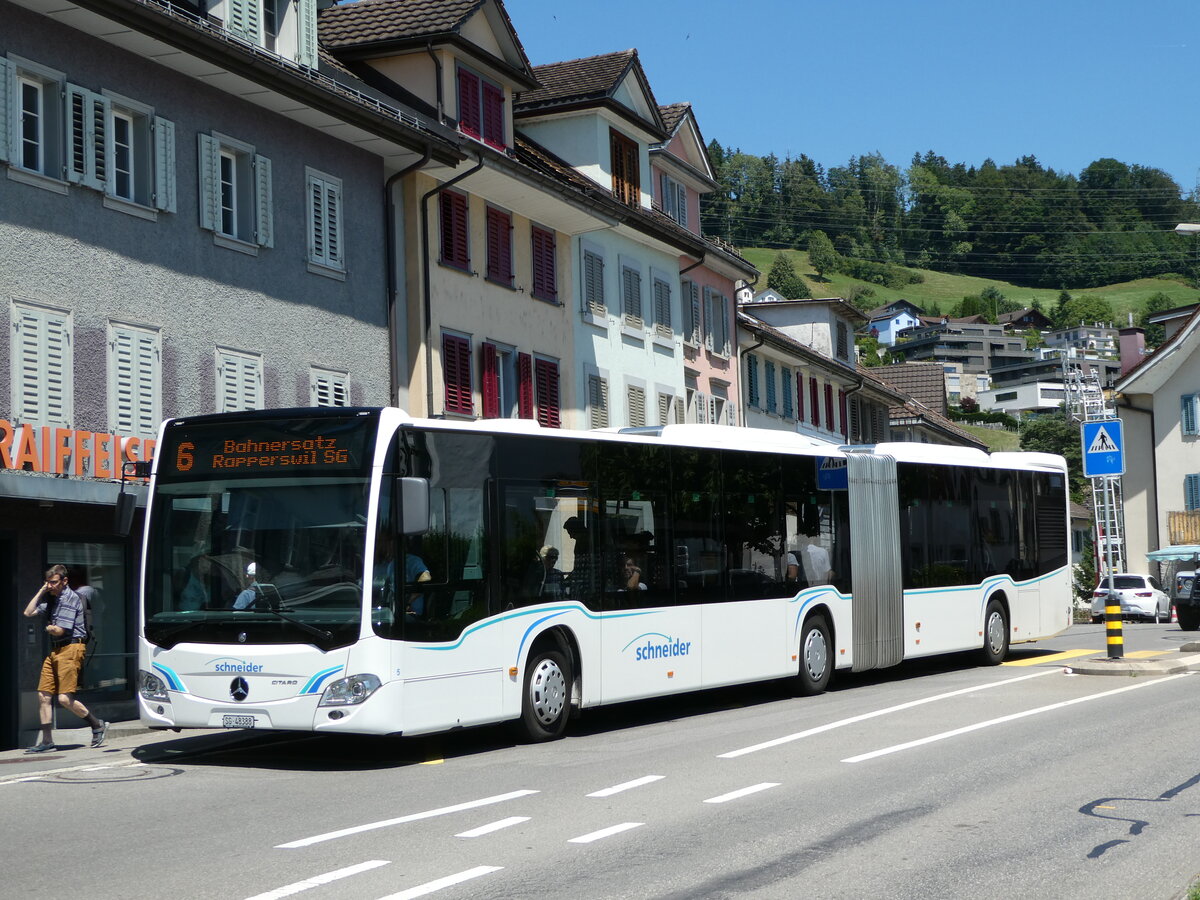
point(1133, 348)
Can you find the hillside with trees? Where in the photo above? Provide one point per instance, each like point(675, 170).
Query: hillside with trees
point(1020, 223)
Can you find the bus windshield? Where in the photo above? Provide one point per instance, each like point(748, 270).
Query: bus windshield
point(263, 560)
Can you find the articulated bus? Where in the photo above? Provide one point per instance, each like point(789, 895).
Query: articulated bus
point(360, 570)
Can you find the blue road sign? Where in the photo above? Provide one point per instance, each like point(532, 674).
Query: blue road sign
point(832, 474)
point(1103, 448)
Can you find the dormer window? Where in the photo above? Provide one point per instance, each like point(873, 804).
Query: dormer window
point(626, 169)
point(480, 108)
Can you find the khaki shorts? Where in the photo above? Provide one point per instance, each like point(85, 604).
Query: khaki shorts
point(60, 671)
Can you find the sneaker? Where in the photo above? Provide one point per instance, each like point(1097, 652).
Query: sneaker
point(98, 734)
point(41, 748)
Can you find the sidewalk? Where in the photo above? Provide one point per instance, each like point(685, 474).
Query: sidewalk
point(1185, 659)
point(74, 749)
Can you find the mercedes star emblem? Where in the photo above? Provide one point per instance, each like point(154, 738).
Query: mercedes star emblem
point(238, 689)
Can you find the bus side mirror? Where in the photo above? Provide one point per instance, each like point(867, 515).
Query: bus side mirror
point(123, 514)
point(414, 501)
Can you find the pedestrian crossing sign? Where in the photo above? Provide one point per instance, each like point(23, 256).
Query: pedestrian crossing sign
point(1103, 448)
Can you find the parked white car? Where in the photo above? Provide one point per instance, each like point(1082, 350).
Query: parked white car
point(1140, 596)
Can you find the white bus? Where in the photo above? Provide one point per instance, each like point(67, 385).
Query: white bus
point(359, 570)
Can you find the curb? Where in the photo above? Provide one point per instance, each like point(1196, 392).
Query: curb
point(1186, 659)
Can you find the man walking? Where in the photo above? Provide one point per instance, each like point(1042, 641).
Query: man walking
point(67, 627)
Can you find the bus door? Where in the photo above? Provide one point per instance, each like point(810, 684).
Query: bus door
point(878, 605)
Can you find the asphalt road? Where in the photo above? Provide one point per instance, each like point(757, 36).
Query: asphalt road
point(934, 779)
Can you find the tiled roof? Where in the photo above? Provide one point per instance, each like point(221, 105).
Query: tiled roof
point(672, 114)
point(370, 21)
point(575, 80)
point(924, 381)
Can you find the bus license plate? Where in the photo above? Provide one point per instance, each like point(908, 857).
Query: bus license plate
point(237, 721)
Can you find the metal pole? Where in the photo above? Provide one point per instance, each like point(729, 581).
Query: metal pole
point(1112, 606)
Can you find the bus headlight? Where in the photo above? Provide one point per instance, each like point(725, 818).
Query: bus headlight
point(152, 687)
point(350, 691)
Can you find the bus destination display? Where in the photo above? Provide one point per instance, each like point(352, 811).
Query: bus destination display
point(318, 445)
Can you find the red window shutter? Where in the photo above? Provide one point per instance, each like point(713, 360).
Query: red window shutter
point(454, 230)
point(468, 103)
point(525, 386)
point(545, 277)
point(493, 115)
point(456, 372)
point(499, 247)
point(814, 396)
point(547, 393)
point(829, 406)
point(491, 382)
point(799, 396)
point(842, 410)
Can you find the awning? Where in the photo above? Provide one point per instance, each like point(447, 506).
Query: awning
point(1179, 551)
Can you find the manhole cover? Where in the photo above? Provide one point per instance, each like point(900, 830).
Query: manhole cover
point(109, 775)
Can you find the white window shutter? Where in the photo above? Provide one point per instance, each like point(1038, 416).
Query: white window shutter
point(714, 410)
point(7, 96)
point(307, 51)
point(77, 140)
point(209, 163)
point(701, 408)
point(134, 379)
point(731, 414)
point(664, 409)
point(43, 386)
point(680, 410)
point(264, 232)
point(239, 381)
point(328, 388)
point(164, 164)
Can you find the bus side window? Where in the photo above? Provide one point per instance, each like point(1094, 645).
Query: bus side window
point(699, 554)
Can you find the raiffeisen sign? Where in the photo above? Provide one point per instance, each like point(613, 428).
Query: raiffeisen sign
point(68, 451)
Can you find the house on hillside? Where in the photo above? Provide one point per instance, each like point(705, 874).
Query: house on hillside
point(1159, 404)
point(924, 382)
point(1024, 319)
point(886, 323)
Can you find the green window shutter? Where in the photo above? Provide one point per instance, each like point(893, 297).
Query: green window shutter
point(264, 233)
point(164, 164)
point(1187, 413)
point(245, 20)
point(209, 164)
point(307, 51)
point(1191, 492)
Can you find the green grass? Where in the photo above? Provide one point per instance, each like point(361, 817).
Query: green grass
point(945, 290)
point(995, 438)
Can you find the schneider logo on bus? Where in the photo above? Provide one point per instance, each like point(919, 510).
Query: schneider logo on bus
point(229, 664)
point(659, 646)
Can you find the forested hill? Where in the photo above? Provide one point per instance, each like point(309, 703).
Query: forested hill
point(1020, 223)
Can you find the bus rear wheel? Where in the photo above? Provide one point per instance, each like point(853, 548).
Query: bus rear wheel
point(816, 657)
point(546, 697)
point(995, 635)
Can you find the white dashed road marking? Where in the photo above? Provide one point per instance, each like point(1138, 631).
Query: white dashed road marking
point(617, 788)
point(744, 792)
point(318, 880)
point(605, 832)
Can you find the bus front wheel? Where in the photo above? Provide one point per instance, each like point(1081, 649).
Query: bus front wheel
point(546, 698)
point(995, 635)
point(816, 658)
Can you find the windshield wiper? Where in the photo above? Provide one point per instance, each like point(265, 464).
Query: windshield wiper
point(303, 626)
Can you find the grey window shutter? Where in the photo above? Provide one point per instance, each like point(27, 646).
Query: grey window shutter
point(333, 219)
point(631, 282)
point(598, 402)
point(307, 51)
point(6, 115)
point(264, 231)
point(87, 137)
point(164, 164)
point(709, 319)
point(681, 204)
point(209, 163)
point(316, 220)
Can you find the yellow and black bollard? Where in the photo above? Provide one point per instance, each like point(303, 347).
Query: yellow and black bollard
point(1112, 625)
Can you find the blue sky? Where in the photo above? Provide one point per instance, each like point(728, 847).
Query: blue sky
point(1067, 81)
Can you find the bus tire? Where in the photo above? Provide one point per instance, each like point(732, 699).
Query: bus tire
point(995, 634)
point(816, 657)
point(545, 697)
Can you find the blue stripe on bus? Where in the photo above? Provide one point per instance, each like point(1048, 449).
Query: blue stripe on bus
point(173, 681)
point(314, 684)
point(539, 610)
